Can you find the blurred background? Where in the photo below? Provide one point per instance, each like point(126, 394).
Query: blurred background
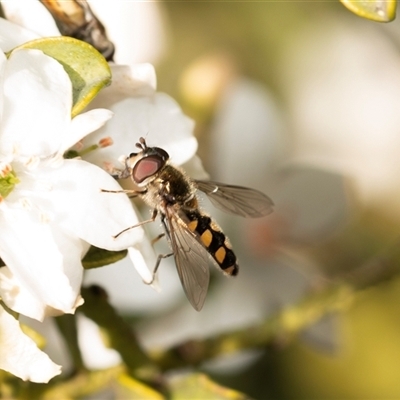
point(300, 100)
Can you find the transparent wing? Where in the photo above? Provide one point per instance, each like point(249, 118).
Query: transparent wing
point(191, 258)
point(238, 200)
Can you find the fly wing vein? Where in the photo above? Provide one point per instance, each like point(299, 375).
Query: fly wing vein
point(237, 200)
point(191, 258)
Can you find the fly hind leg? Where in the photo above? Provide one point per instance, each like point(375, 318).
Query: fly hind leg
point(159, 258)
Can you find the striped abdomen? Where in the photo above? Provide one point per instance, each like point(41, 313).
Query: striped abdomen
point(214, 240)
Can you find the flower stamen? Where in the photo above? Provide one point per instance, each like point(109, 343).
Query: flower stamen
point(77, 152)
point(8, 180)
point(105, 142)
point(32, 162)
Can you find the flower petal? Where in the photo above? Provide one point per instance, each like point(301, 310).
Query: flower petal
point(37, 104)
point(18, 297)
point(83, 124)
point(32, 15)
point(19, 354)
point(38, 267)
point(195, 169)
point(136, 28)
point(12, 35)
point(79, 206)
point(3, 63)
point(158, 118)
point(95, 353)
point(135, 81)
point(140, 255)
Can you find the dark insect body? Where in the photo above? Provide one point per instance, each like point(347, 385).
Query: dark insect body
point(214, 240)
point(195, 238)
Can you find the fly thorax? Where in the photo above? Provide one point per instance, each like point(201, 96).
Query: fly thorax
point(178, 185)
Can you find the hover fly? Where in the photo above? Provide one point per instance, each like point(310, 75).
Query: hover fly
point(195, 238)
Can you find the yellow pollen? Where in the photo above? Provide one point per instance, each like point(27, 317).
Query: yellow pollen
point(5, 170)
point(105, 142)
point(79, 145)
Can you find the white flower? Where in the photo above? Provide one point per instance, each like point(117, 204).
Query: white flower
point(31, 15)
point(138, 111)
point(12, 35)
point(136, 28)
point(19, 354)
point(50, 206)
point(141, 111)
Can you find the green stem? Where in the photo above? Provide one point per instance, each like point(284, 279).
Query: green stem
point(67, 326)
point(88, 149)
point(83, 384)
point(120, 334)
point(333, 297)
point(282, 325)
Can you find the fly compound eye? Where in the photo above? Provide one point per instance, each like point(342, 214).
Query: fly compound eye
point(147, 167)
point(161, 153)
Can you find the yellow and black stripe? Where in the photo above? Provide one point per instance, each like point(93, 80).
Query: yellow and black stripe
point(214, 240)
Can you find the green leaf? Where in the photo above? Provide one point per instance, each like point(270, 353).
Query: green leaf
point(376, 10)
point(200, 386)
point(87, 68)
point(96, 257)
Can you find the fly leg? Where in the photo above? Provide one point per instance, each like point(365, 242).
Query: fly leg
point(131, 192)
point(167, 233)
point(159, 258)
point(153, 217)
point(120, 174)
point(157, 238)
point(128, 191)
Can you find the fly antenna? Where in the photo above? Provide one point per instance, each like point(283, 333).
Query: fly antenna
point(141, 144)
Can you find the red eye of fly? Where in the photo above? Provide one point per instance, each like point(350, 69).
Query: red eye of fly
point(147, 167)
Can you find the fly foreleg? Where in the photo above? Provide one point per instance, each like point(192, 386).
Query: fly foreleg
point(133, 193)
point(130, 191)
point(126, 173)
